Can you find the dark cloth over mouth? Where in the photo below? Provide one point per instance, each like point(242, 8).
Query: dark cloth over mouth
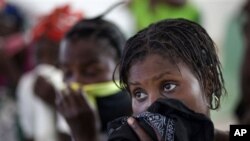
point(170, 118)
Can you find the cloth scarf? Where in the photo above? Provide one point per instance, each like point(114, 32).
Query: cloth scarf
point(56, 24)
point(170, 118)
point(93, 91)
point(90, 91)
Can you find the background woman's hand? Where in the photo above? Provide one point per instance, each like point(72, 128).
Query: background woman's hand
point(78, 114)
point(45, 91)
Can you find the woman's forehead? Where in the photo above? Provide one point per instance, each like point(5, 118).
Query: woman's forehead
point(83, 52)
point(153, 64)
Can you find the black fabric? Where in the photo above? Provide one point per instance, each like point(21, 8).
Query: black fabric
point(112, 107)
point(170, 118)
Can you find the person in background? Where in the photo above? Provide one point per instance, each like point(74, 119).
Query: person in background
point(156, 10)
point(13, 62)
point(36, 100)
point(88, 57)
point(13, 51)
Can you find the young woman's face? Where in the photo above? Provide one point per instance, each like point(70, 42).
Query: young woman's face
point(156, 77)
point(84, 62)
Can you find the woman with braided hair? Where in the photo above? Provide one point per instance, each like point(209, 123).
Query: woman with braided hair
point(171, 68)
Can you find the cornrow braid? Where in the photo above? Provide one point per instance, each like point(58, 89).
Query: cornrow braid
point(177, 40)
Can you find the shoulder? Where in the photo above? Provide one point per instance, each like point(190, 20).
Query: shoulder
point(221, 135)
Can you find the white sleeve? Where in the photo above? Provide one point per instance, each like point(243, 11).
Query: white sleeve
point(25, 104)
point(45, 121)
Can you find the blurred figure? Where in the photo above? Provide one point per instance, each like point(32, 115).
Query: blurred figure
point(243, 111)
point(89, 54)
point(36, 98)
point(13, 62)
point(12, 45)
point(149, 11)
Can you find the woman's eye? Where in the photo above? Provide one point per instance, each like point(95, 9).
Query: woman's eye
point(140, 96)
point(169, 87)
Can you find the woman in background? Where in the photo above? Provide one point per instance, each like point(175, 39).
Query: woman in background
point(88, 57)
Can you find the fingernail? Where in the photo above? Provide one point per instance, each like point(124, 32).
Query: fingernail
point(131, 121)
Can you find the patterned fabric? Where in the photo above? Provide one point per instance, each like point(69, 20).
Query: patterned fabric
point(170, 131)
point(163, 125)
point(170, 119)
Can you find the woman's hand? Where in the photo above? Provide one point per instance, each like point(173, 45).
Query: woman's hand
point(142, 135)
point(78, 114)
point(45, 91)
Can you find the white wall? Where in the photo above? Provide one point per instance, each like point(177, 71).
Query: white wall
point(91, 8)
point(216, 15)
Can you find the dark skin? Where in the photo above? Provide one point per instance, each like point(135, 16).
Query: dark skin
point(155, 77)
point(85, 62)
point(46, 51)
point(45, 91)
point(78, 114)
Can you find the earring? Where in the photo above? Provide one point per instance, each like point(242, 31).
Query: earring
point(215, 102)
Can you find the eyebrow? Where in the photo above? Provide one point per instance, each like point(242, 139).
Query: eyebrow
point(156, 77)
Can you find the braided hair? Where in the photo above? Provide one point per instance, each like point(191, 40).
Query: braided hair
point(177, 40)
